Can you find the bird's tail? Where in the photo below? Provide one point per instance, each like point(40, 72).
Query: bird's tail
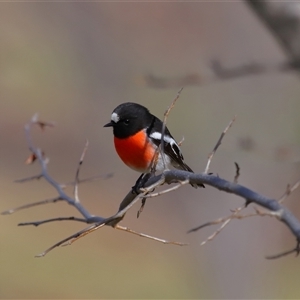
point(185, 167)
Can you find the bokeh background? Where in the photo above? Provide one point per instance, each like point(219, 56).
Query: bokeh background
point(74, 63)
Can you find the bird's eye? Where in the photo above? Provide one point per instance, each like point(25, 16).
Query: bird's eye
point(126, 121)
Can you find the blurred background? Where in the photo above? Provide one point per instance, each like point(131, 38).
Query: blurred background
point(73, 63)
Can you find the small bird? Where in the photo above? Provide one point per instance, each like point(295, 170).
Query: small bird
point(137, 134)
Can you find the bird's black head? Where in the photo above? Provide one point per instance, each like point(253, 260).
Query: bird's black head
point(129, 118)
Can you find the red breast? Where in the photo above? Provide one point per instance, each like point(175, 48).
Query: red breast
point(136, 151)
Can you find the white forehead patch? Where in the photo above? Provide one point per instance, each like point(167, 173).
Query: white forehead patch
point(115, 117)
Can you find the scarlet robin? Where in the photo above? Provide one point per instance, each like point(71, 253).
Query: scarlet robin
point(137, 134)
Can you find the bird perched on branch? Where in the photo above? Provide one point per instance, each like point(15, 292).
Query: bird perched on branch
point(137, 135)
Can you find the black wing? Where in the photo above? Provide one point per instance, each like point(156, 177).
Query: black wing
point(170, 146)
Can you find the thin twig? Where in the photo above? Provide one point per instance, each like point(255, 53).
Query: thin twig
point(78, 170)
point(62, 242)
point(294, 250)
point(237, 172)
point(234, 215)
point(166, 114)
point(217, 145)
point(141, 207)
point(225, 223)
point(35, 177)
point(211, 237)
point(180, 142)
point(111, 221)
point(46, 201)
point(288, 191)
point(149, 236)
point(173, 188)
point(37, 223)
point(160, 148)
point(43, 162)
point(83, 233)
point(276, 256)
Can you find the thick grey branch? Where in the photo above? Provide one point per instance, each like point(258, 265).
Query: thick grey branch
point(250, 196)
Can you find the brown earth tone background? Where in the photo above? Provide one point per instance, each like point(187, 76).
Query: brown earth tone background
point(74, 63)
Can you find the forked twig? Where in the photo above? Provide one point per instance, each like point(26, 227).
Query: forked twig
point(111, 221)
point(225, 221)
point(258, 212)
point(62, 242)
point(212, 236)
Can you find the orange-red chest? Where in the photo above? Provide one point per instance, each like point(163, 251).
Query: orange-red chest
point(135, 151)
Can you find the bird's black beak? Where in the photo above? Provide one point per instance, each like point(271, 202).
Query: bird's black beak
point(110, 124)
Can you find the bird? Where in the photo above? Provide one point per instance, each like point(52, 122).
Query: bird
point(137, 135)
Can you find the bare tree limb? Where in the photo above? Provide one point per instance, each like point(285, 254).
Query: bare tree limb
point(274, 207)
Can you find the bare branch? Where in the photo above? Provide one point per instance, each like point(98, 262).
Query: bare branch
point(289, 190)
point(173, 188)
point(166, 114)
point(217, 145)
point(294, 250)
point(160, 148)
point(273, 206)
point(234, 215)
point(37, 223)
point(35, 177)
point(141, 208)
point(46, 201)
point(149, 236)
point(211, 237)
point(78, 170)
point(43, 162)
point(61, 242)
